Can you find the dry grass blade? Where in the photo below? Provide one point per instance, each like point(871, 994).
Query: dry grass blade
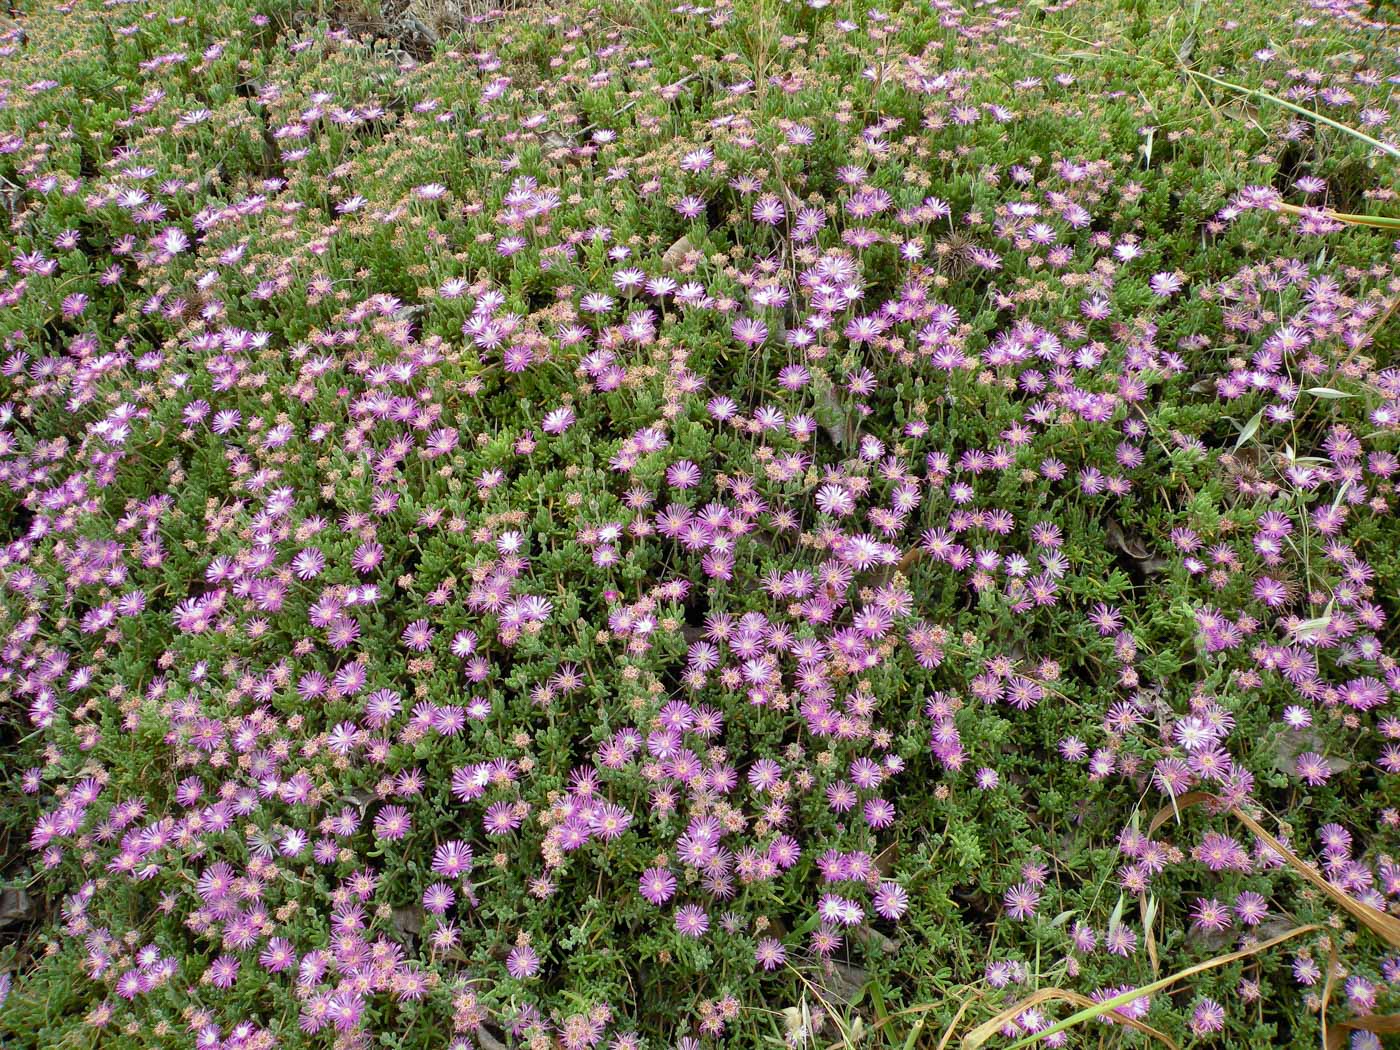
point(1387, 927)
point(1185, 802)
point(848, 1038)
point(1378, 922)
point(1387, 1025)
point(1110, 1005)
point(987, 1029)
point(957, 1018)
point(1327, 990)
point(1148, 913)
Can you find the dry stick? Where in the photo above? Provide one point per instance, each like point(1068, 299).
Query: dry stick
point(1383, 318)
point(846, 1040)
point(1327, 988)
point(1186, 801)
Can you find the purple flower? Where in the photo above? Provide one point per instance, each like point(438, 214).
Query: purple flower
point(770, 953)
point(392, 823)
point(1209, 915)
point(223, 971)
point(879, 813)
point(750, 331)
point(1313, 768)
point(452, 859)
point(418, 636)
point(769, 210)
point(558, 420)
point(890, 900)
point(683, 475)
point(278, 955)
point(1165, 284)
point(1022, 900)
point(1206, 1018)
point(691, 920)
point(1251, 908)
point(522, 962)
point(657, 885)
point(438, 898)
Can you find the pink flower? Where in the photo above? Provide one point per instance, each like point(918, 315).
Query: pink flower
point(1313, 768)
point(367, 557)
point(1251, 908)
point(1021, 901)
point(277, 956)
point(1206, 1018)
point(558, 420)
point(501, 818)
point(453, 859)
point(890, 900)
point(683, 475)
point(769, 210)
point(418, 636)
point(770, 953)
point(691, 920)
point(657, 885)
point(1165, 284)
point(1210, 915)
point(223, 971)
point(835, 500)
point(879, 813)
point(749, 330)
point(438, 898)
point(392, 823)
point(522, 962)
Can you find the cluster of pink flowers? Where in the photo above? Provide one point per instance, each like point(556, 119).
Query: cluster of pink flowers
point(501, 533)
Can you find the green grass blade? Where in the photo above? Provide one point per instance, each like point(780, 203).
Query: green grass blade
point(1360, 136)
point(1089, 1013)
